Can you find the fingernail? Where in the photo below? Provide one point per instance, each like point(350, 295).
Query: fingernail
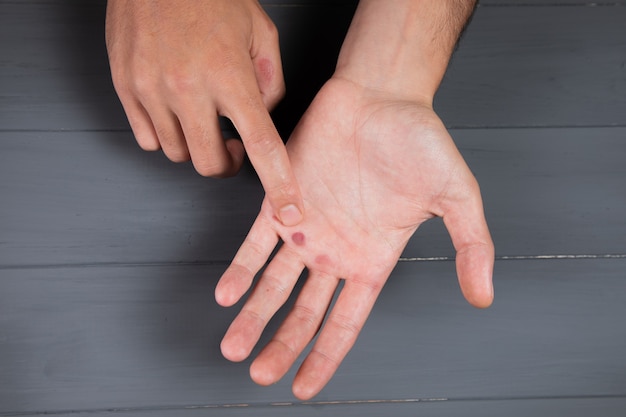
point(290, 215)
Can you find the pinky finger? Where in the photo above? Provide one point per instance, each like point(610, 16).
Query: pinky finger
point(337, 337)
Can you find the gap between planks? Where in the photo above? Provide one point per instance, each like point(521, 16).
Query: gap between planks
point(113, 410)
point(449, 127)
point(226, 262)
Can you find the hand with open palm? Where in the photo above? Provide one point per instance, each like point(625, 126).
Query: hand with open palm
point(371, 168)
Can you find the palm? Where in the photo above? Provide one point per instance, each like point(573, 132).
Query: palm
point(371, 171)
point(369, 177)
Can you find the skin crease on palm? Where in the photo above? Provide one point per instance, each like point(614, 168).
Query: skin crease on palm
point(371, 169)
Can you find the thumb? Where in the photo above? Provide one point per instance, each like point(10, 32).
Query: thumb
point(268, 70)
point(465, 220)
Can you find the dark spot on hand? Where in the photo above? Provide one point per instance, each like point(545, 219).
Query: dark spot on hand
point(322, 260)
point(298, 238)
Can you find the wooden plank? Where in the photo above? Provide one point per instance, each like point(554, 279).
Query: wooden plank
point(551, 191)
point(515, 66)
point(571, 407)
point(95, 197)
point(108, 338)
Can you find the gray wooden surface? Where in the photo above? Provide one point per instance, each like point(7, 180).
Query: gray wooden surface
point(109, 255)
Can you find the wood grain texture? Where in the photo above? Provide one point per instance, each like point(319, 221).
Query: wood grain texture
point(95, 197)
point(109, 255)
point(514, 67)
point(101, 338)
point(571, 407)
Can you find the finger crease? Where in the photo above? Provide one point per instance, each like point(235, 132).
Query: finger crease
point(345, 323)
point(276, 284)
point(306, 315)
point(470, 246)
point(255, 316)
point(291, 349)
point(326, 357)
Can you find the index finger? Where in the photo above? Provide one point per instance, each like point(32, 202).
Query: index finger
point(265, 149)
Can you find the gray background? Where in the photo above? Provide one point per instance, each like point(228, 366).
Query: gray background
point(109, 255)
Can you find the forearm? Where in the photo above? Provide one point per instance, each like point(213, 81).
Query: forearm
point(402, 47)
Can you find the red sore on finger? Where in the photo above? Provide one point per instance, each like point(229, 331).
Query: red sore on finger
point(322, 260)
point(265, 69)
point(298, 238)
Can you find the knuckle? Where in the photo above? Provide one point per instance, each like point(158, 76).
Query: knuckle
point(255, 250)
point(210, 168)
point(276, 286)
point(148, 144)
point(143, 85)
point(120, 80)
point(254, 316)
point(175, 152)
point(305, 315)
point(262, 141)
point(346, 325)
point(177, 155)
point(372, 286)
point(280, 91)
point(272, 30)
point(265, 24)
point(180, 81)
point(268, 24)
point(274, 94)
point(282, 191)
point(327, 357)
point(289, 345)
point(125, 84)
point(208, 164)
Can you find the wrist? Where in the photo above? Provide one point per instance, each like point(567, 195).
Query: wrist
point(402, 47)
point(388, 80)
